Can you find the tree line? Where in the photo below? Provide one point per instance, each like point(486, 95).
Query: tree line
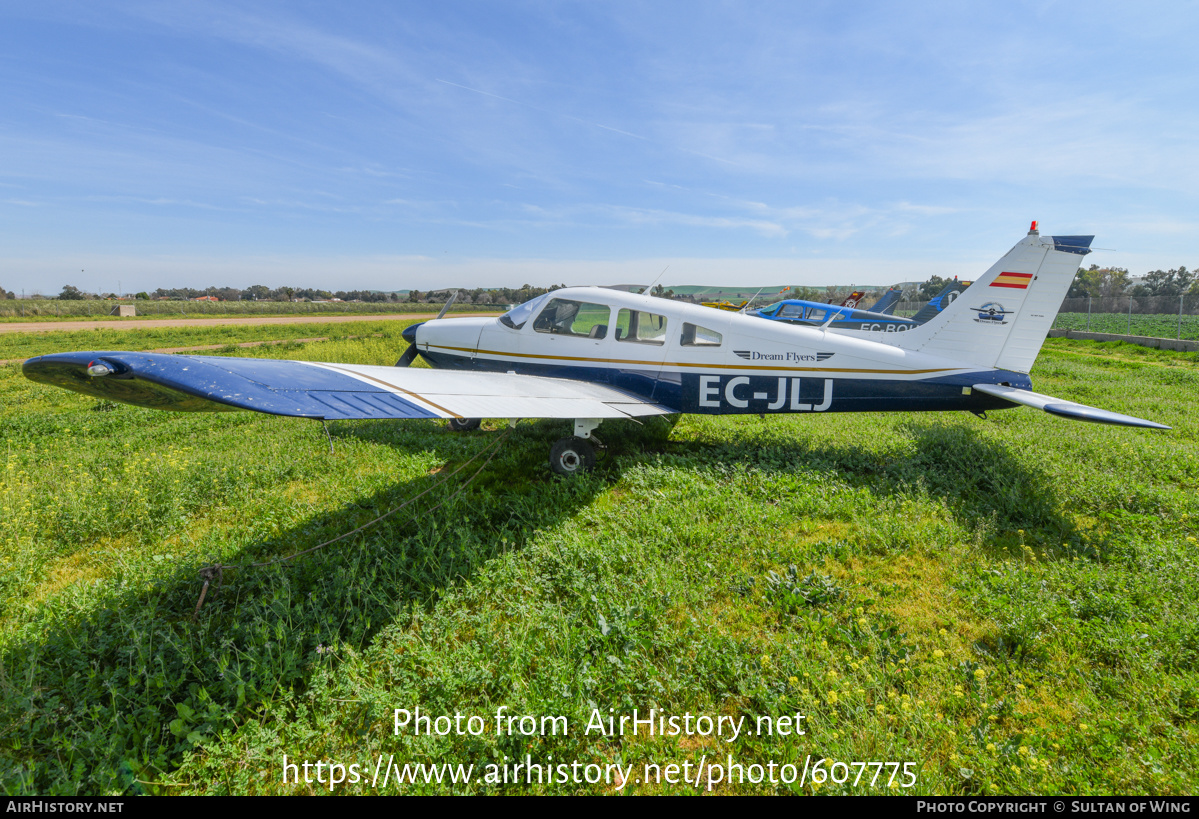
point(260, 292)
point(1115, 282)
point(1094, 282)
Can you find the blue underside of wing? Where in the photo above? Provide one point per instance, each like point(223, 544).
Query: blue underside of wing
point(208, 383)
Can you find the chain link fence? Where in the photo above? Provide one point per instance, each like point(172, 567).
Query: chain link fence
point(1174, 317)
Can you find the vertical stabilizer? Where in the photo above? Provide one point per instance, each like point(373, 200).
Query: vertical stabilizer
point(1003, 318)
point(888, 302)
point(939, 302)
point(1043, 300)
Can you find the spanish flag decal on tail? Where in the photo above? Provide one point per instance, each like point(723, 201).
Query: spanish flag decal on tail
point(1017, 280)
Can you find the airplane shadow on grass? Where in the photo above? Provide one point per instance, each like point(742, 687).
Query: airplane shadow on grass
point(113, 695)
point(979, 480)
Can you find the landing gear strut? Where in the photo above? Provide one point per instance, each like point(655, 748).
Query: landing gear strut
point(575, 454)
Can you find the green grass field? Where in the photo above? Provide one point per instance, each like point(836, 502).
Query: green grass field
point(1006, 604)
point(27, 345)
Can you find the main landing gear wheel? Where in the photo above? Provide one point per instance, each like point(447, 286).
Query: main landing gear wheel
point(571, 456)
point(464, 424)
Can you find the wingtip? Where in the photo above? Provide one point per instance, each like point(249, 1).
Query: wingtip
point(1065, 409)
point(1081, 412)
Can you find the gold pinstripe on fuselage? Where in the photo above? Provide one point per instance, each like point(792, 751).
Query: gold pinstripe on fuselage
point(506, 355)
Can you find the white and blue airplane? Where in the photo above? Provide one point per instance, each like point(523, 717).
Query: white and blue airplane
point(590, 354)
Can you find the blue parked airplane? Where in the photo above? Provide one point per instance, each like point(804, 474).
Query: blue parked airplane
point(883, 305)
point(846, 317)
point(590, 354)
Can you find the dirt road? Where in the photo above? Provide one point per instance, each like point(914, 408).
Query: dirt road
point(138, 323)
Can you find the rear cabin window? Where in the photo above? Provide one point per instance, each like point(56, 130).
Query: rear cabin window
point(696, 336)
point(639, 326)
point(574, 318)
point(817, 315)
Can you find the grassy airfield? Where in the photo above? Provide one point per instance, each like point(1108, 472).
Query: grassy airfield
point(27, 345)
point(1008, 603)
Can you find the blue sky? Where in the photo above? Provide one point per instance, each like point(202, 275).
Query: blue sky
point(399, 145)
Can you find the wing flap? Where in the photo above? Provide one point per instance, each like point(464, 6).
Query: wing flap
point(1065, 409)
point(466, 394)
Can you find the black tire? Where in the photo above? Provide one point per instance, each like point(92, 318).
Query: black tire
point(464, 424)
point(572, 456)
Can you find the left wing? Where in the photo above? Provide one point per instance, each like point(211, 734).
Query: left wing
point(1066, 409)
point(328, 391)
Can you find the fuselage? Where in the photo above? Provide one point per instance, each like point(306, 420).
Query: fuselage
point(698, 360)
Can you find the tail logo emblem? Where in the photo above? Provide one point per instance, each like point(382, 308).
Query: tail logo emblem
point(991, 313)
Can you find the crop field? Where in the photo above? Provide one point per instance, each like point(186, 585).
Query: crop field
point(1006, 606)
point(1152, 325)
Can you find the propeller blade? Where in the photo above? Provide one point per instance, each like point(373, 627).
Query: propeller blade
point(408, 356)
point(445, 309)
point(410, 334)
point(410, 352)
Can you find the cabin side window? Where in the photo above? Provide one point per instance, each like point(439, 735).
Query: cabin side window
point(574, 318)
point(696, 336)
point(641, 327)
point(791, 311)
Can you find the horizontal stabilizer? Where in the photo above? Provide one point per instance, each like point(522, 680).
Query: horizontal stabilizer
point(1066, 409)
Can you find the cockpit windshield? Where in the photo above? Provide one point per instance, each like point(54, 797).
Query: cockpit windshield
point(517, 316)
